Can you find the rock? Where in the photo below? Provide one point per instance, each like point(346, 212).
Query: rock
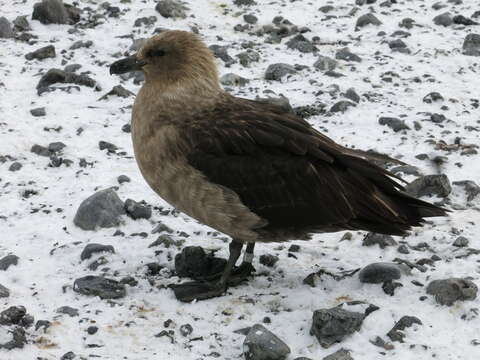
point(137, 210)
point(462, 20)
point(246, 58)
point(389, 287)
point(326, 9)
point(13, 315)
point(268, 260)
point(278, 71)
point(8, 261)
point(250, 19)
point(93, 248)
point(68, 356)
point(6, 31)
point(55, 147)
point(91, 330)
point(301, 43)
point(261, 344)
point(280, 101)
point(54, 76)
point(432, 97)
point(352, 95)
point(102, 209)
point(378, 239)
point(55, 12)
point(123, 179)
point(231, 79)
point(111, 148)
point(221, 52)
point(40, 150)
point(244, 2)
point(444, 19)
point(37, 112)
point(377, 273)
point(118, 90)
point(437, 118)
point(438, 185)
point(193, 262)
point(447, 291)
point(4, 292)
point(471, 188)
point(325, 63)
point(393, 123)
point(72, 68)
point(81, 44)
point(15, 166)
point(342, 106)
point(21, 23)
point(186, 329)
point(67, 310)
point(12, 339)
point(461, 241)
point(367, 19)
point(147, 21)
point(172, 9)
point(396, 333)
point(471, 45)
point(345, 54)
point(99, 286)
point(332, 325)
point(341, 354)
point(42, 53)
point(397, 44)
point(42, 324)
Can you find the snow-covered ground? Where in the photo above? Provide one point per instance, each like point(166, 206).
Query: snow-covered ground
point(38, 202)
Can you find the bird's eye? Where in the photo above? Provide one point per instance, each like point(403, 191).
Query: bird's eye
point(155, 52)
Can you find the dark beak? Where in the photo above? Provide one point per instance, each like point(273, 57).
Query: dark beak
point(128, 64)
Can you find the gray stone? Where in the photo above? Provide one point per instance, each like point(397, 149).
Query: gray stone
point(17, 341)
point(67, 310)
point(352, 95)
point(437, 118)
point(325, 63)
point(52, 12)
point(172, 9)
point(268, 260)
point(471, 188)
point(232, 79)
point(250, 19)
point(244, 2)
point(81, 44)
point(447, 291)
point(246, 58)
point(280, 101)
point(347, 55)
point(54, 76)
point(13, 315)
point(432, 97)
point(326, 9)
point(462, 20)
point(430, 185)
point(123, 179)
point(397, 44)
point(118, 90)
point(6, 31)
point(471, 45)
point(396, 333)
point(4, 292)
point(42, 53)
point(393, 123)
point(99, 286)
point(91, 249)
point(444, 19)
point(8, 261)
point(367, 19)
point(377, 273)
point(37, 112)
point(68, 356)
point(194, 262)
point(381, 240)
point(137, 210)
point(278, 71)
point(301, 43)
point(72, 68)
point(56, 146)
point(221, 52)
point(111, 148)
point(341, 354)
point(332, 325)
point(21, 23)
point(15, 166)
point(40, 150)
point(102, 209)
point(147, 21)
point(342, 106)
point(261, 344)
point(461, 241)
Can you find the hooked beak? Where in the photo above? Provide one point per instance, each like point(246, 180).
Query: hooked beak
point(127, 64)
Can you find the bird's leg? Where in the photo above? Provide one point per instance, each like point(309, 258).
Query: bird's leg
point(205, 290)
point(242, 272)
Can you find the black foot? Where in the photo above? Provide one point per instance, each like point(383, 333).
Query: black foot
point(198, 290)
point(239, 274)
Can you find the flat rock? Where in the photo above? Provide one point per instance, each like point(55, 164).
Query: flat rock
point(55, 76)
point(471, 45)
point(99, 286)
point(278, 71)
point(67, 310)
point(261, 344)
point(42, 53)
point(438, 185)
point(91, 249)
point(380, 272)
point(346, 55)
point(396, 333)
point(8, 261)
point(341, 354)
point(447, 291)
point(172, 9)
point(102, 209)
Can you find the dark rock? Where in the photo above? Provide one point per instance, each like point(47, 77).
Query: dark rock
point(37, 112)
point(42, 324)
point(248, 57)
point(42, 53)
point(397, 44)
point(244, 2)
point(193, 262)
point(91, 249)
point(6, 31)
point(13, 315)
point(261, 344)
point(99, 286)
point(437, 118)
point(447, 291)
point(309, 110)
point(325, 63)
point(102, 209)
point(186, 329)
point(67, 310)
point(4, 292)
point(81, 44)
point(393, 123)
point(471, 45)
point(471, 188)
point(55, 12)
point(250, 19)
point(55, 147)
point(326, 9)
point(137, 210)
point(17, 341)
point(221, 52)
point(367, 19)
point(21, 23)
point(342, 106)
point(462, 20)
point(129, 280)
point(111, 148)
point(279, 70)
point(430, 185)
point(347, 55)
point(332, 325)
point(147, 21)
point(341, 354)
point(301, 43)
point(407, 23)
point(268, 260)
point(432, 97)
point(389, 287)
point(54, 76)
point(396, 333)
point(15, 166)
point(377, 273)
point(123, 179)
point(461, 241)
point(8, 261)
point(444, 19)
point(172, 9)
point(378, 239)
point(92, 330)
point(352, 95)
point(231, 79)
point(72, 68)
point(68, 356)
point(153, 268)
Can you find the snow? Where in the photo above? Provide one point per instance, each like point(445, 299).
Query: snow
point(33, 227)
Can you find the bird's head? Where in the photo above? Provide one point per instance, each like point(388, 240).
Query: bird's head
point(172, 58)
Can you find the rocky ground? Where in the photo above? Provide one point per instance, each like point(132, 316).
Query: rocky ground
point(88, 251)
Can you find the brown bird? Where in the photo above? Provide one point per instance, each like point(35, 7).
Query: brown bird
point(246, 168)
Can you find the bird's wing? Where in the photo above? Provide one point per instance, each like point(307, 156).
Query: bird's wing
point(285, 171)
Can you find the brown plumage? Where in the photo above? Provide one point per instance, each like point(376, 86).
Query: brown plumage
point(250, 169)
